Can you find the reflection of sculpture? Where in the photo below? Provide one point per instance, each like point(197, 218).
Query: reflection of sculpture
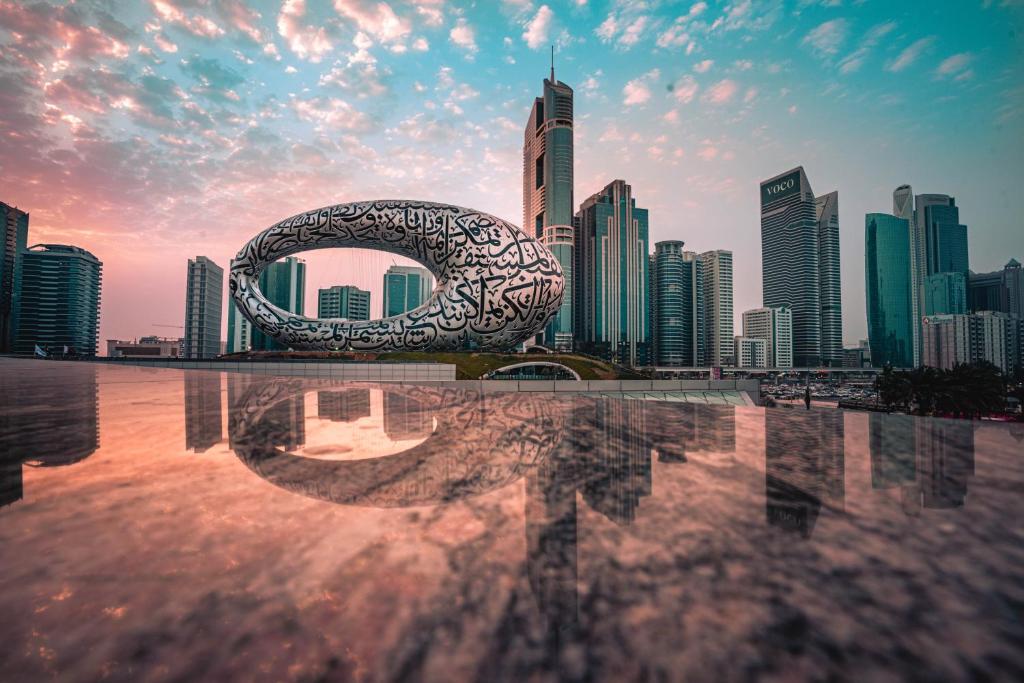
point(347, 405)
point(495, 285)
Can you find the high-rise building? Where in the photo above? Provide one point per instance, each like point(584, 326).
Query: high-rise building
point(889, 287)
point(945, 293)
point(405, 288)
point(716, 280)
point(284, 284)
point(800, 264)
point(239, 330)
point(548, 193)
point(202, 308)
point(677, 306)
point(952, 339)
point(612, 276)
point(14, 224)
point(775, 326)
point(751, 352)
point(1000, 290)
point(60, 299)
point(343, 301)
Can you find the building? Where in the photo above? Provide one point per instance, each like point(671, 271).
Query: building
point(548, 193)
point(775, 326)
point(751, 352)
point(889, 289)
point(204, 291)
point(14, 224)
point(612, 313)
point(284, 284)
point(800, 264)
point(854, 357)
point(949, 340)
point(343, 301)
point(145, 347)
point(239, 330)
point(405, 288)
point(945, 293)
point(677, 306)
point(716, 280)
point(1001, 290)
point(60, 300)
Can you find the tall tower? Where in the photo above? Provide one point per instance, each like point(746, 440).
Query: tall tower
point(677, 310)
point(202, 308)
point(889, 289)
point(548, 192)
point(716, 274)
point(800, 264)
point(284, 284)
point(405, 288)
point(13, 240)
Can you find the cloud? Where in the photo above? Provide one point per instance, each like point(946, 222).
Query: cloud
point(538, 28)
point(627, 28)
point(909, 54)
point(853, 61)
point(708, 152)
point(463, 36)
point(826, 39)
point(306, 42)
point(195, 24)
point(330, 112)
point(721, 92)
point(750, 95)
point(685, 89)
point(376, 19)
point(677, 34)
point(702, 67)
point(953, 65)
point(638, 91)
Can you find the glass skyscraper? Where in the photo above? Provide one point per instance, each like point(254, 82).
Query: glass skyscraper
point(677, 310)
point(405, 288)
point(612, 312)
point(284, 284)
point(945, 293)
point(60, 299)
point(548, 193)
point(888, 276)
point(800, 264)
point(343, 301)
point(14, 224)
point(203, 296)
point(239, 330)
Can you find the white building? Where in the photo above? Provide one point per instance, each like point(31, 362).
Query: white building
point(775, 326)
point(716, 272)
point(952, 339)
point(751, 352)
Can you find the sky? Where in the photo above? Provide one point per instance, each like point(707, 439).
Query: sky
point(149, 132)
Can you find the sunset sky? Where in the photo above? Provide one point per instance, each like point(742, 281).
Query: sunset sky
point(150, 132)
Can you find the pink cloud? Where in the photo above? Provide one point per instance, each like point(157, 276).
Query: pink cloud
point(721, 92)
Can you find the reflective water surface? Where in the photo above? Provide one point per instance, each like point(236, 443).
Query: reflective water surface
point(180, 525)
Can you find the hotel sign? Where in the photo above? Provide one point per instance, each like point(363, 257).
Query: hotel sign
point(781, 187)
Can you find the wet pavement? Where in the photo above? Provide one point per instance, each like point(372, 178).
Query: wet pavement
point(162, 524)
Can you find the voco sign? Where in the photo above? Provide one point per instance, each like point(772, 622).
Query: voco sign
point(781, 188)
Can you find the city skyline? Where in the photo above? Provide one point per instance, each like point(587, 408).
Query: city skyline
point(115, 133)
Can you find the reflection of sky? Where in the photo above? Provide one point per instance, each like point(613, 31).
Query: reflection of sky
point(169, 127)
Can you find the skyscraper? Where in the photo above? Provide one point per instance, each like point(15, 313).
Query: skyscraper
point(775, 326)
point(343, 301)
point(800, 264)
point(548, 192)
point(239, 330)
point(945, 293)
point(751, 352)
point(1000, 290)
point(284, 284)
point(952, 339)
point(716, 278)
point(889, 287)
point(60, 299)
point(14, 224)
point(677, 310)
point(405, 288)
point(612, 276)
point(204, 291)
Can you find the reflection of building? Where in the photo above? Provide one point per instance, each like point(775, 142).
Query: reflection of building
point(804, 461)
point(890, 290)
point(343, 406)
point(202, 410)
point(284, 284)
point(13, 239)
point(618, 459)
point(892, 446)
point(145, 347)
point(548, 192)
point(202, 308)
point(55, 434)
point(406, 288)
point(343, 301)
point(60, 299)
point(285, 423)
point(239, 384)
point(800, 264)
point(406, 418)
point(612, 314)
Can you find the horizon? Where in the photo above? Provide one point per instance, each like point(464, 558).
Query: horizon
point(176, 123)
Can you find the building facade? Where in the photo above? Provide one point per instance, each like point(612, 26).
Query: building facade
point(945, 294)
point(800, 264)
point(405, 288)
point(239, 331)
point(343, 301)
point(203, 300)
point(145, 347)
point(548, 203)
point(1000, 290)
point(60, 299)
point(13, 241)
point(284, 284)
point(677, 306)
point(775, 326)
point(949, 340)
point(716, 281)
point(889, 289)
point(612, 312)
point(751, 352)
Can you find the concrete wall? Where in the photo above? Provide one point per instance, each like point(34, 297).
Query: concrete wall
point(357, 372)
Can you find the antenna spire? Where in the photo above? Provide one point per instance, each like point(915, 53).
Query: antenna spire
point(552, 63)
